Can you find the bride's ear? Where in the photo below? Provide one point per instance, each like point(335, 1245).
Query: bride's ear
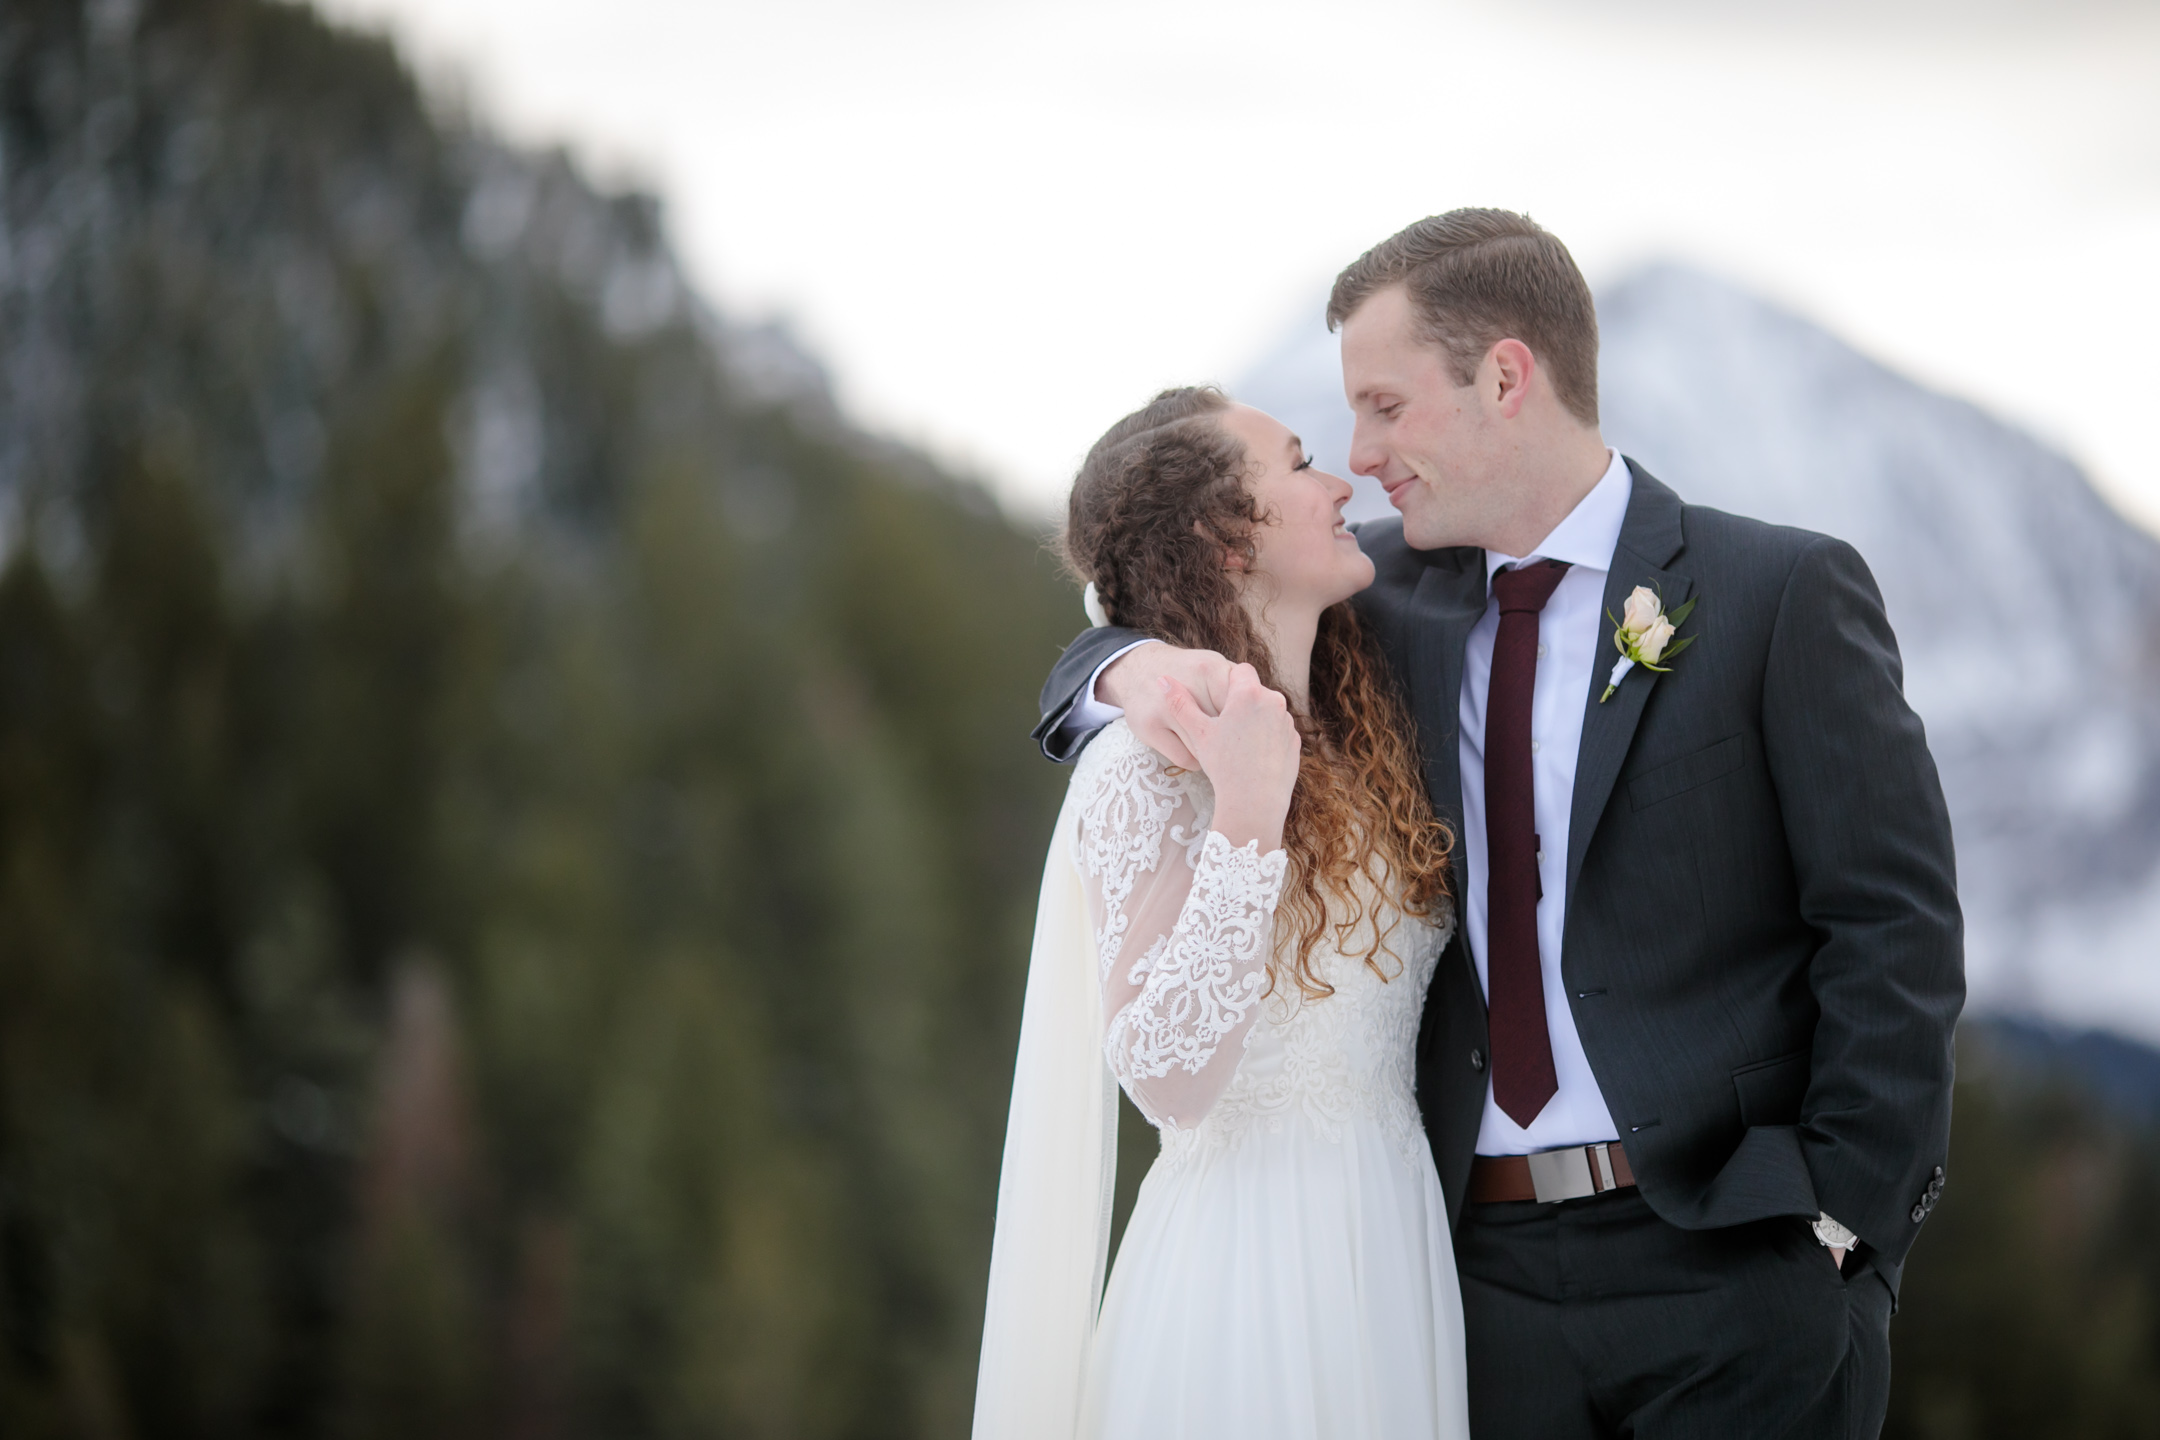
point(1233, 558)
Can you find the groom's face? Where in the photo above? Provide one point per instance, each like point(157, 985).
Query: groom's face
point(1429, 441)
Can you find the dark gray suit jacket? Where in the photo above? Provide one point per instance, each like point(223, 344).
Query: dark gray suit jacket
point(1763, 947)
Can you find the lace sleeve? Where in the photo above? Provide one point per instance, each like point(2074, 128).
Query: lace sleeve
point(1184, 923)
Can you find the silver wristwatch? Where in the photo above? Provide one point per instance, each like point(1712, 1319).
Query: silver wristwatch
point(1834, 1235)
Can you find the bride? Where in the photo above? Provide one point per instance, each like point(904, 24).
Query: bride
point(1245, 948)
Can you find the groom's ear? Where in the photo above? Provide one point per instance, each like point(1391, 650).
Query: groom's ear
point(1504, 377)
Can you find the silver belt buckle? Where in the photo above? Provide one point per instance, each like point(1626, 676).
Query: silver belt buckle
point(1567, 1174)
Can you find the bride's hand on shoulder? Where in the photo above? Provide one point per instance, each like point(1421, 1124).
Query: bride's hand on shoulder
point(1248, 750)
point(1134, 683)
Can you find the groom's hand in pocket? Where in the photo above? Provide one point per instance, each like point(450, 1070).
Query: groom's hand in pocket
point(1133, 683)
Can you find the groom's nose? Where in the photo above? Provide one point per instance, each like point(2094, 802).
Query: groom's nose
point(1366, 456)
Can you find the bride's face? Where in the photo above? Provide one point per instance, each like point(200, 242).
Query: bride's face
point(1305, 555)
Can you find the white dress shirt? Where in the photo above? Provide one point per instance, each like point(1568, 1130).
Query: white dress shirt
point(1572, 643)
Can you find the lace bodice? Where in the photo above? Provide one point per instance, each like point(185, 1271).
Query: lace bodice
point(1184, 924)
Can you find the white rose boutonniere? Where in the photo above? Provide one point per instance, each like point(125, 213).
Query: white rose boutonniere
point(1642, 608)
point(1644, 636)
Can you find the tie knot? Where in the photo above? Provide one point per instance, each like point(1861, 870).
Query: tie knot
point(1527, 587)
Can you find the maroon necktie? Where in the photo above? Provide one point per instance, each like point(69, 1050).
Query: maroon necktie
point(1523, 1077)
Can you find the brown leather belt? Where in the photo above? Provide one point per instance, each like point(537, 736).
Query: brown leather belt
point(1551, 1175)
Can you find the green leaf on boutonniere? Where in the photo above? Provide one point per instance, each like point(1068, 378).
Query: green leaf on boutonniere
point(1677, 646)
point(1678, 617)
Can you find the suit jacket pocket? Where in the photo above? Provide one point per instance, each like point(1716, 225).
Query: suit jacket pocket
point(1771, 1090)
point(1685, 774)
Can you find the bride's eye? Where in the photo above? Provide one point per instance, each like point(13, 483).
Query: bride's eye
point(1304, 464)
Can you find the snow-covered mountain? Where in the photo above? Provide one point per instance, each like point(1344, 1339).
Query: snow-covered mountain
point(2027, 609)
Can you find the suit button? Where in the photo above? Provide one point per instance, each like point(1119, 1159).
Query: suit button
point(1477, 1059)
point(1919, 1213)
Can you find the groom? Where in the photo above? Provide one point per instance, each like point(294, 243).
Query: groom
point(1686, 1066)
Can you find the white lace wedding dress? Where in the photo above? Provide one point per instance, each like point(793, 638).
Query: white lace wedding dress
point(1287, 1270)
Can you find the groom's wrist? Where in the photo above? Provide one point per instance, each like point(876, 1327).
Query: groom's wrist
point(1109, 697)
point(1834, 1236)
point(1090, 712)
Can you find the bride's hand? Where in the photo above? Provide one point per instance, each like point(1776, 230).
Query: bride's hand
point(1249, 752)
point(1133, 683)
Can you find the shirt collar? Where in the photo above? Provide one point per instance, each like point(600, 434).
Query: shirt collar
point(1590, 533)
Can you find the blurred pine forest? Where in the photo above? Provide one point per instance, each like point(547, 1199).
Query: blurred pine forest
point(517, 832)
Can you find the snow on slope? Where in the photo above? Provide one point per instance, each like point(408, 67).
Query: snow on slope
point(2027, 610)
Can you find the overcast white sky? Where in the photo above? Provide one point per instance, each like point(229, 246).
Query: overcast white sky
point(1004, 224)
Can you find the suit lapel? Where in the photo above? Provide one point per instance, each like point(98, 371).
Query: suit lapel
point(1448, 602)
point(1447, 605)
point(1650, 539)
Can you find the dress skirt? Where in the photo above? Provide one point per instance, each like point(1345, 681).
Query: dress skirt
point(1279, 1284)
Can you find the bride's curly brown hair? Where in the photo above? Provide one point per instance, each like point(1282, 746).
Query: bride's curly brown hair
point(1158, 506)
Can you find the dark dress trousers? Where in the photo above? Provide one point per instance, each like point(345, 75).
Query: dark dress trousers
point(1763, 952)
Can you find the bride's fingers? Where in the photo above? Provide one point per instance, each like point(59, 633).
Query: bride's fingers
point(1214, 687)
point(1186, 716)
point(1186, 721)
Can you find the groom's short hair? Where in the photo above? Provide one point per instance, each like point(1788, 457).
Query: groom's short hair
point(1477, 277)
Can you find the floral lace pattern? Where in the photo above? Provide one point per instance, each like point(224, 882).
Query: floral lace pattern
point(1199, 982)
point(1322, 1062)
point(1183, 923)
point(1129, 795)
point(1206, 1053)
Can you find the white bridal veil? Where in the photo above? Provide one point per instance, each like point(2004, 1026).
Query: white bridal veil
point(1053, 1211)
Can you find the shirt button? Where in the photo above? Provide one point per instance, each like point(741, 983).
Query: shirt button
point(1541, 650)
point(1535, 747)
